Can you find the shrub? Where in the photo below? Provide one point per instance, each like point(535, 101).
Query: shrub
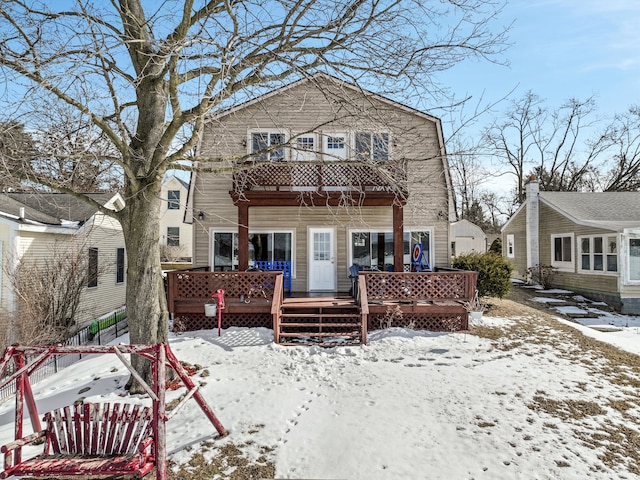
point(494, 272)
point(496, 246)
point(541, 274)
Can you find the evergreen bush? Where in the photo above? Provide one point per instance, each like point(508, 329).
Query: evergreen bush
point(496, 246)
point(494, 272)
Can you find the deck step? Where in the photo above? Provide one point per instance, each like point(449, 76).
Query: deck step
point(321, 315)
point(322, 344)
point(322, 334)
point(315, 325)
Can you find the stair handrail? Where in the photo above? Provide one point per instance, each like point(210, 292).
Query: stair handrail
point(276, 306)
point(363, 303)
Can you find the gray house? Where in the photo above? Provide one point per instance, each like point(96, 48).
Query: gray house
point(591, 239)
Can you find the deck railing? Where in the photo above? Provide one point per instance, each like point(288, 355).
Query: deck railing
point(389, 176)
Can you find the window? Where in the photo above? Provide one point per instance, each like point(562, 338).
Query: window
point(92, 276)
point(372, 146)
point(266, 142)
point(173, 236)
point(335, 142)
point(375, 249)
point(225, 251)
point(598, 254)
point(561, 252)
point(304, 148)
point(270, 246)
point(173, 200)
point(634, 259)
point(119, 265)
point(511, 246)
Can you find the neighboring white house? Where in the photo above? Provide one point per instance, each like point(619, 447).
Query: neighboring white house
point(467, 237)
point(176, 236)
point(37, 227)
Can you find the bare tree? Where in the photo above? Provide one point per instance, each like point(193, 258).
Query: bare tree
point(622, 140)
point(550, 144)
point(16, 147)
point(146, 77)
point(49, 291)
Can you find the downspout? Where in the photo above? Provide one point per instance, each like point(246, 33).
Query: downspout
point(533, 222)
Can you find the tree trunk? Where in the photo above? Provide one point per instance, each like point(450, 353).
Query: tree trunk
point(146, 300)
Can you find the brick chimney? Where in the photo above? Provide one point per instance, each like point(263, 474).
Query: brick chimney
point(533, 221)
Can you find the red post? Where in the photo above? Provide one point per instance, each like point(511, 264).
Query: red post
point(398, 238)
point(160, 412)
point(218, 296)
point(19, 361)
point(243, 236)
point(186, 379)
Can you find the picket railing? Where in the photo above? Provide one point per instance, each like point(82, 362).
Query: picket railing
point(99, 332)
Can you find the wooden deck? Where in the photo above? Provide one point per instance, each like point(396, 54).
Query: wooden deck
point(428, 301)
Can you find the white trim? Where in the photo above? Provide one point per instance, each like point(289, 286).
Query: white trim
point(564, 266)
point(627, 263)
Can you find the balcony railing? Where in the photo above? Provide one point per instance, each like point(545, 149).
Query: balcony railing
point(388, 177)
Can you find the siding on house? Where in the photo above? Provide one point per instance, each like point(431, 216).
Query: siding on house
point(554, 223)
point(301, 109)
point(104, 234)
point(518, 228)
point(175, 217)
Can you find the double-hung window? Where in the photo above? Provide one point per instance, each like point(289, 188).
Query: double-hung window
point(562, 251)
point(269, 146)
point(173, 200)
point(598, 254)
point(372, 146)
point(173, 236)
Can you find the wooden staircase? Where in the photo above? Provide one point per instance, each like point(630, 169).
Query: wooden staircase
point(326, 322)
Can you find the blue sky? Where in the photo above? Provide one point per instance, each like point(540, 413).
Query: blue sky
point(562, 49)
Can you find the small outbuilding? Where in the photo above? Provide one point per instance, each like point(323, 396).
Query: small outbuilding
point(467, 237)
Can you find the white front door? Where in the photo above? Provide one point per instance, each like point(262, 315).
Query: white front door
point(322, 265)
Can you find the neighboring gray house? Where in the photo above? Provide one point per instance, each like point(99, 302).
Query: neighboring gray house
point(592, 239)
point(34, 227)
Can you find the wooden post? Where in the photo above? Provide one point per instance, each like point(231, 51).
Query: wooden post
point(398, 238)
point(19, 361)
point(186, 379)
point(243, 236)
point(160, 413)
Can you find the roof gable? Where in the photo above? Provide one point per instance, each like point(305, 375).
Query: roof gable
point(317, 78)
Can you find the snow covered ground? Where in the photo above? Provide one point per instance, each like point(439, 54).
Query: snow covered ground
point(524, 398)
